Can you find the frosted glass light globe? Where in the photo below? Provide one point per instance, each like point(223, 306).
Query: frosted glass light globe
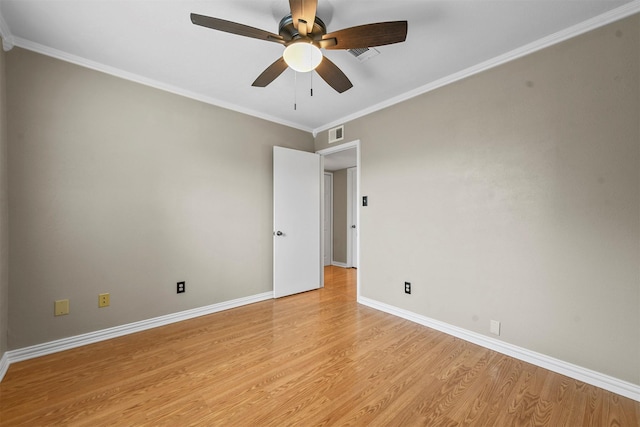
point(302, 56)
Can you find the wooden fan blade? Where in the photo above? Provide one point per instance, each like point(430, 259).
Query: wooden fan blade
point(331, 74)
point(235, 28)
point(369, 35)
point(327, 43)
point(304, 10)
point(271, 73)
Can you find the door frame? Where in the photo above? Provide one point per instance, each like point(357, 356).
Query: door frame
point(352, 219)
point(330, 150)
point(330, 175)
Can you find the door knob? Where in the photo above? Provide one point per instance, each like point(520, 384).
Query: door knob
point(353, 226)
point(279, 233)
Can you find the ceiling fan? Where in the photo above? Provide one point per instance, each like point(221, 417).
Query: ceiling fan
point(303, 34)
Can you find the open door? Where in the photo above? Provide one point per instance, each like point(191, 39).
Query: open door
point(296, 221)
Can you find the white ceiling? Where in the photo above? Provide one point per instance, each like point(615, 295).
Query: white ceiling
point(154, 42)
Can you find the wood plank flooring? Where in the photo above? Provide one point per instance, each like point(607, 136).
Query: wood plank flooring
point(316, 358)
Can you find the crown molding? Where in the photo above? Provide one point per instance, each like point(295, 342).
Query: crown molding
point(566, 34)
point(5, 34)
point(9, 41)
point(97, 66)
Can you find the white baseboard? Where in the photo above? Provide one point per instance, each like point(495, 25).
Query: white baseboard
point(4, 365)
point(588, 376)
point(614, 385)
point(105, 334)
point(339, 264)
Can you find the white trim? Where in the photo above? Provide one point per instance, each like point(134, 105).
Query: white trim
point(614, 385)
point(568, 33)
point(352, 216)
point(4, 365)
point(7, 42)
point(118, 331)
point(339, 264)
point(341, 147)
point(616, 14)
point(67, 57)
point(588, 376)
point(324, 190)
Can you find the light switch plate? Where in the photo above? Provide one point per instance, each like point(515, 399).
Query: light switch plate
point(61, 307)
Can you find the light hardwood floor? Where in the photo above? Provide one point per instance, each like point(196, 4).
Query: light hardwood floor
point(316, 358)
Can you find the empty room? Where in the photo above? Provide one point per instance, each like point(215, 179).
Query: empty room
point(330, 212)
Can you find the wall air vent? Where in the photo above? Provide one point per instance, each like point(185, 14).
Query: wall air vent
point(364, 53)
point(336, 134)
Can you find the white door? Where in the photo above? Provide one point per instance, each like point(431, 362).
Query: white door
point(352, 217)
point(328, 217)
point(296, 220)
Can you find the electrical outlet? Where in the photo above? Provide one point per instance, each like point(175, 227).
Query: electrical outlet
point(407, 287)
point(494, 327)
point(61, 307)
point(181, 288)
point(104, 300)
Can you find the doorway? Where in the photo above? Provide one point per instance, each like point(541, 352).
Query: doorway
point(342, 162)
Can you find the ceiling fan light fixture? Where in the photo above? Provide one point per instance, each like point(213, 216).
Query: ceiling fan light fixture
point(302, 56)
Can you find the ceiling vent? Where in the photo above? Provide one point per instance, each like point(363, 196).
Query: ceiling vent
point(336, 134)
point(364, 53)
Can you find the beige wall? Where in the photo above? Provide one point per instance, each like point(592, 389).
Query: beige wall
point(117, 187)
point(4, 235)
point(340, 216)
point(514, 195)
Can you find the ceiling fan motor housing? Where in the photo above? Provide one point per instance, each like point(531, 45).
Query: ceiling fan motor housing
point(289, 32)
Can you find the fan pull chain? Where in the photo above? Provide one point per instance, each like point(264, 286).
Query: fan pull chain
point(295, 90)
point(311, 73)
